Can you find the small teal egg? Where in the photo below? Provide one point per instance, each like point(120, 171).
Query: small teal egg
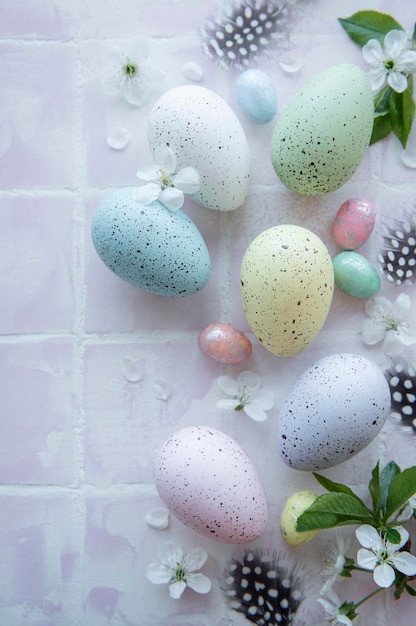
point(256, 96)
point(149, 246)
point(355, 275)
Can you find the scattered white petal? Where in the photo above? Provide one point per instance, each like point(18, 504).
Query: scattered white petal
point(118, 138)
point(192, 71)
point(132, 370)
point(290, 62)
point(158, 518)
point(161, 389)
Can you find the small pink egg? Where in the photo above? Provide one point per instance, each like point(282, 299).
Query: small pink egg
point(224, 344)
point(354, 223)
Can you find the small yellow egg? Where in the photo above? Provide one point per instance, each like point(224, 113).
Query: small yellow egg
point(294, 507)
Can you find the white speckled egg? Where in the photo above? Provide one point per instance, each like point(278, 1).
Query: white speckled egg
point(150, 246)
point(323, 133)
point(209, 483)
point(287, 284)
point(205, 133)
point(256, 96)
point(334, 410)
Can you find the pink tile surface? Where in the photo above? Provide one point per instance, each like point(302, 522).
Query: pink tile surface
point(96, 373)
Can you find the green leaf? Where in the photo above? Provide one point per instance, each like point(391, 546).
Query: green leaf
point(402, 114)
point(336, 487)
point(391, 534)
point(375, 489)
point(402, 487)
point(333, 509)
point(366, 25)
point(390, 471)
point(414, 36)
point(381, 101)
point(381, 128)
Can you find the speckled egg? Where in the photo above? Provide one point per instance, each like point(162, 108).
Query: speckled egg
point(323, 133)
point(287, 284)
point(333, 410)
point(205, 133)
point(209, 483)
point(223, 343)
point(256, 96)
point(292, 510)
point(150, 246)
point(354, 223)
point(355, 275)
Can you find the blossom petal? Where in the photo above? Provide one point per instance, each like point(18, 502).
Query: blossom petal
point(407, 63)
point(392, 344)
point(171, 554)
point(249, 380)
point(165, 158)
point(151, 75)
point(377, 77)
point(378, 307)
point(172, 198)
point(372, 332)
point(395, 43)
point(264, 399)
point(199, 583)
point(404, 562)
point(401, 305)
point(366, 559)
point(158, 574)
point(176, 589)
point(373, 53)
point(228, 385)
point(134, 91)
point(149, 173)
point(368, 536)
point(147, 193)
point(384, 575)
point(187, 179)
point(255, 412)
point(227, 403)
point(194, 559)
point(397, 81)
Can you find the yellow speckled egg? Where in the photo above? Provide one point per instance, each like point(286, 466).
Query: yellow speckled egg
point(294, 507)
point(287, 284)
point(323, 133)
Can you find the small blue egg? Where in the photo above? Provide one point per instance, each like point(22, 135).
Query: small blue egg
point(256, 96)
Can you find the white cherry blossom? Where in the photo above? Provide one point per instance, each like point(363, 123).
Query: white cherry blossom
point(390, 63)
point(164, 183)
point(179, 568)
point(332, 607)
point(246, 394)
point(382, 556)
point(387, 324)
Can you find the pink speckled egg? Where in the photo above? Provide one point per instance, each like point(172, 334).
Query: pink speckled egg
point(209, 483)
point(224, 344)
point(354, 223)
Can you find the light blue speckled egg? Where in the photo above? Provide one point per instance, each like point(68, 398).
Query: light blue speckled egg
point(150, 246)
point(256, 96)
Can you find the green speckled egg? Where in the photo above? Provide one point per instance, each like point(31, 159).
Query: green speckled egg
point(287, 283)
point(323, 133)
point(355, 275)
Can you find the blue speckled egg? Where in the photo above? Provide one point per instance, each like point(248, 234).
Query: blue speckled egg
point(150, 246)
point(256, 96)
